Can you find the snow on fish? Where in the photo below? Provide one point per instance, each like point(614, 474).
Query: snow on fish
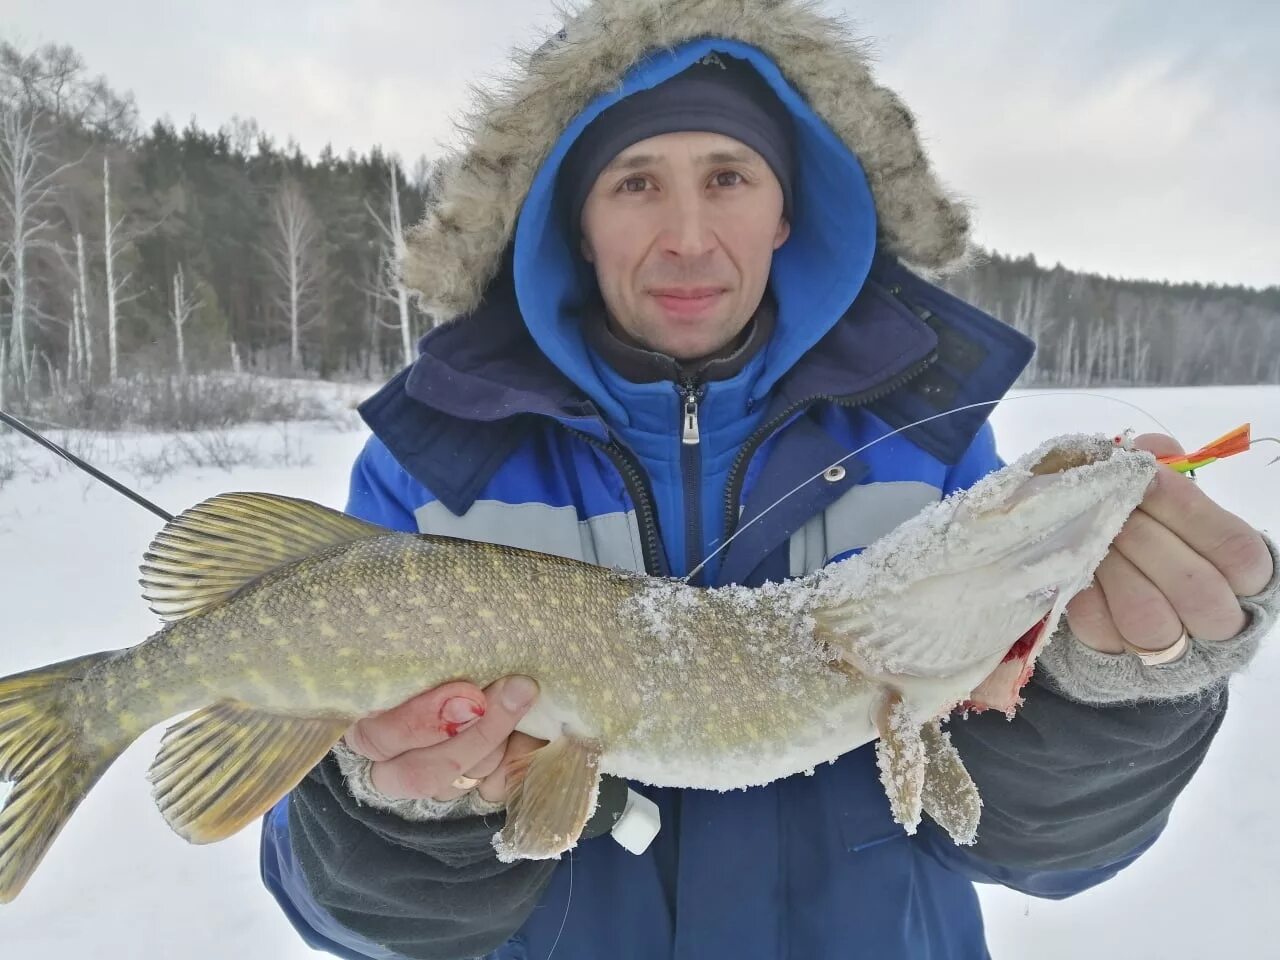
point(288, 621)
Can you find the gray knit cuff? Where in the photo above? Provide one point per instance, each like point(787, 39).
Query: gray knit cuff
point(356, 771)
point(1090, 676)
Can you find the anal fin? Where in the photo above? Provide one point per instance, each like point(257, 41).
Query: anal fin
point(900, 753)
point(551, 793)
point(226, 765)
point(950, 796)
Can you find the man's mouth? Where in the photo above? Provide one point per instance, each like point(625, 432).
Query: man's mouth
point(687, 302)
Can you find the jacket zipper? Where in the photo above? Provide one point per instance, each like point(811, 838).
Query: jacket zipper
point(764, 431)
point(690, 438)
point(691, 394)
point(638, 490)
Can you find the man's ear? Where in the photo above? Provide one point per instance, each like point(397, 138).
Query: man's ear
point(784, 231)
point(587, 253)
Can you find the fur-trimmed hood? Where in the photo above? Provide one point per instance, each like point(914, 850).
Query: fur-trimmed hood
point(478, 192)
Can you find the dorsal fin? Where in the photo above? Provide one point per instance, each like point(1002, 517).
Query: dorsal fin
point(207, 553)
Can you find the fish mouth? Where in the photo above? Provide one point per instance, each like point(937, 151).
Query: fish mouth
point(1036, 540)
point(970, 594)
point(1052, 510)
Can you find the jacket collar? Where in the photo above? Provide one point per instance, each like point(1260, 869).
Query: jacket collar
point(476, 389)
point(641, 365)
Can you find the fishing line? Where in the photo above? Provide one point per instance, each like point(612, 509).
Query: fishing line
point(568, 900)
point(137, 498)
point(893, 433)
point(33, 434)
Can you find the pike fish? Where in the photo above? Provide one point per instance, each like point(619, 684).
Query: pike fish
point(287, 621)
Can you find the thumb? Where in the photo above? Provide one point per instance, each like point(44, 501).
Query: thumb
point(1162, 445)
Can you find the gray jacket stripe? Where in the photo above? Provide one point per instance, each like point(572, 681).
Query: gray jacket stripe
point(859, 518)
point(610, 540)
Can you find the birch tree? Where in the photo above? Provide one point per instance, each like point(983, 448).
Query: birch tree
point(295, 259)
point(1030, 313)
point(116, 242)
point(111, 250)
point(79, 359)
point(84, 360)
point(4, 367)
point(53, 81)
point(184, 304)
point(27, 185)
point(390, 286)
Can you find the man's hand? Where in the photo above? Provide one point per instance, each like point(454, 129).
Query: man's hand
point(421, 748)
point(1181, 561)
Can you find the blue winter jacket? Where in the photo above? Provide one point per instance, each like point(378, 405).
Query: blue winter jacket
point(509, 428)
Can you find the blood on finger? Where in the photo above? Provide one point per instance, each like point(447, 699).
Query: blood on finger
point(456, 712)
point(451, 728)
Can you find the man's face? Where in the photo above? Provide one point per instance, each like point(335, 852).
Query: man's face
point(681, 230)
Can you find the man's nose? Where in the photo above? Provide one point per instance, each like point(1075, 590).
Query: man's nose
point(688, 232)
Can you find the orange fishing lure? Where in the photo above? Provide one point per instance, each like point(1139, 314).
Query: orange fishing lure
point(1227, 445)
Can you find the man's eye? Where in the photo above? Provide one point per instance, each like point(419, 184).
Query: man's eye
point(634, 185)
point(728, 178)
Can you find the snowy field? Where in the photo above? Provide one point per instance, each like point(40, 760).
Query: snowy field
point(118, 884)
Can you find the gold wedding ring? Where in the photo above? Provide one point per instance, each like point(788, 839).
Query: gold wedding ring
point(464, 783)
point(1157, 658)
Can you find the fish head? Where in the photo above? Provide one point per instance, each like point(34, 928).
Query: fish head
point(1066, 500)
point(959, 600)
point(1070, 506)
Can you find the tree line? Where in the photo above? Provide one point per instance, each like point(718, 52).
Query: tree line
point(125, 250)
point(1091, 329)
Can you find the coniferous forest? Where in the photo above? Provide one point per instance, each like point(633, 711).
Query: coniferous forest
point(177, 250)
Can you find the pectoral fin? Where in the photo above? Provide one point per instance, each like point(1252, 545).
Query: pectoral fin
point(226, 765)
point(950, 796)
point(551, 793)
point(900, 752)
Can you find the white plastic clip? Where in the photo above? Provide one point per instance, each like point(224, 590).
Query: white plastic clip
point(638, 825)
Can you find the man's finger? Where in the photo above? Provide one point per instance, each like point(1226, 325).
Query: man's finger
point(489, 763)
point(1141, 613)
point(417, 775)
point(1197, 591)
point(1161, 444)
point(431, 771)
point(1090, 620)
point(427, 719)
point(494, 787)
point(509, 699)
point(1222, 538)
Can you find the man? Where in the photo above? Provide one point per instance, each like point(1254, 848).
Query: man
point(676, 251)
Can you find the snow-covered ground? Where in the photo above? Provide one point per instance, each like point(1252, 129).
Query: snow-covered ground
point(119, 884)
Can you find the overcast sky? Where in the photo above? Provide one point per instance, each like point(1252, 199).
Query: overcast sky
point(1133, 137)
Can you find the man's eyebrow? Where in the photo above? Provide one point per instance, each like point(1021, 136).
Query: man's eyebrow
point(633, 162)
point(728, 156)
point(637, 160)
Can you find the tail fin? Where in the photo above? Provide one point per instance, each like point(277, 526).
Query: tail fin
point(47, 764)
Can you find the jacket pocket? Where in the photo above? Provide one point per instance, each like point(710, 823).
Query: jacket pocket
point(865, 819)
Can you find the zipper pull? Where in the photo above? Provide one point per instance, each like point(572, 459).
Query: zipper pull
point(690, 436)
